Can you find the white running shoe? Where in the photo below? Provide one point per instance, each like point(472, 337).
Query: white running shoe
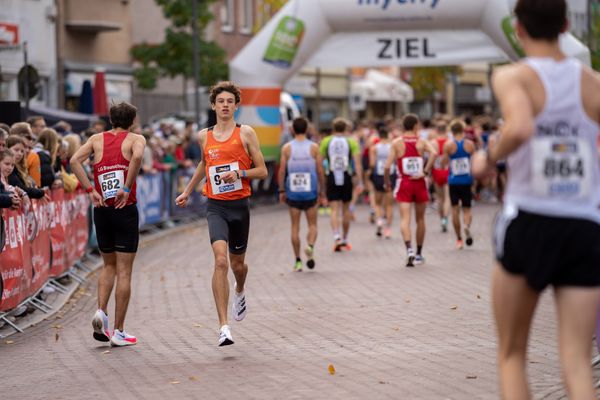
point(121, 338)
point(419, 259)
point(225, 338)
point(239, 304)
point(100, 324)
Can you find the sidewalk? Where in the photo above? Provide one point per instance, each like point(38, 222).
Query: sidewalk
point(390, 332)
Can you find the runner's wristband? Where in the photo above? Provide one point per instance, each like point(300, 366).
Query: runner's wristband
point(89, 190)
point(244, 173)
point(126, 189)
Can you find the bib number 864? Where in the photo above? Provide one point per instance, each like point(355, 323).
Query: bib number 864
point(110, 184)
point(563, 168)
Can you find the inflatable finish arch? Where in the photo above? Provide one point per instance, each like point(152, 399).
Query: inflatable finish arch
point(368, 33)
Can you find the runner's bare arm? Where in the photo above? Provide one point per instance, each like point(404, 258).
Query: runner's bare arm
point(282, 167)
point(372, 157)
point(253, 146)
point(316, 153)
point(80, 156)
point(392, 157)
point(199, 175)
point(446, 153)
point(137, 154)
point(428, 147)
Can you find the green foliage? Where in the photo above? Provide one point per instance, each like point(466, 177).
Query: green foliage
point(173, 57)
point(428, 80)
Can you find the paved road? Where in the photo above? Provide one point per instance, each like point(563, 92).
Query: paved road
point(390, 332)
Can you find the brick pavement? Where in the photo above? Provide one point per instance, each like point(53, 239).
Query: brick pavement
point(390, 332)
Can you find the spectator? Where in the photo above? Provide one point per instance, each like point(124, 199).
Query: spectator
point(4, 127)
point(98, 126)
point(63, 128)
point(32, 161)
point(19, 176)
point(37, 124)
point(3, 136)
point(70, 181)
point(47, 150)
point(7, 164)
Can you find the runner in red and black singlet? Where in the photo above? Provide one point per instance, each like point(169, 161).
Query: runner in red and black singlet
point(407, 151)
point(439, 174)
point(117, 158)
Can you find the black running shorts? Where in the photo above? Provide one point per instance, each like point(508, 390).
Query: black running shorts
point(378, 182)
point(461, 194)
point(229, 220)
point(339, 193)
point(549, 250)
point(117, 229)
point(302, 205)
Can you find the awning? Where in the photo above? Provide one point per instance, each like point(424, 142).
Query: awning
point(78, 121)
point(377, 86)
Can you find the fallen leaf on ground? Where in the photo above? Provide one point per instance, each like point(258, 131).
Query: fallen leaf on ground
point(396, 328)
point(106, 352)
point(57, 326)
point(56, 336)
point(453, 307)
point(478, 296)
point(331, 369)
point(300, 308)
point(9, 342)
point(193, 378)
point(197, 325)
point(471, 376)
point(407, 301)
point(383, 382)
point(175, 382)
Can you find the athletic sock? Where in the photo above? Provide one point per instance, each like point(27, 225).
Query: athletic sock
point(407, 243)
point(298, 259)
point(419, 248)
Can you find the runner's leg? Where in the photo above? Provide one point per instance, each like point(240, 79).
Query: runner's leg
point(405, 221)
point(577, 312)
point(335, 222)
point(295, 218)
point(123, 290)
point(311, 218)
point(420, 218)
point(220, 283)
point(106, 280)
point(514, 304)
point(456, 221)
point(347, 216)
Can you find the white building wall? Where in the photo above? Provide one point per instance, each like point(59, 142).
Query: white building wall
point(35, 20)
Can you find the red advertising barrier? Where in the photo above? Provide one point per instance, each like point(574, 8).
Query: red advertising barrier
point(42, 241)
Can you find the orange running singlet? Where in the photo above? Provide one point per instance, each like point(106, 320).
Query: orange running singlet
point(222, 157)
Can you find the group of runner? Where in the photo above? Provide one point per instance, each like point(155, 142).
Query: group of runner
point(548, 232)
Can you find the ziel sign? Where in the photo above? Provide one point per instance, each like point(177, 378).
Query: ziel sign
point(386, 3)
point(404, 48)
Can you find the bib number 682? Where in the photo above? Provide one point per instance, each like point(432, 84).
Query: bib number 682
point(110, 184)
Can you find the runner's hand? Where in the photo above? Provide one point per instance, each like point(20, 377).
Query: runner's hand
point(182, 200)
point(229, 177)
point(121, 199)
point(97, 199)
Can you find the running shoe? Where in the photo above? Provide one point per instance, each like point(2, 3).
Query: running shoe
point(459, 244)
point(100, 325)
point(225, 338)
point(378, 232)
point(411, 258)
point(338, 245)
point(371, 216)
point(444, 225)
point(310, 255)
point(387, 233)
point(346, 246)
point(419, 259)
point(121, 338)
point(469, 240)
point(239, 302)
point(298, 266)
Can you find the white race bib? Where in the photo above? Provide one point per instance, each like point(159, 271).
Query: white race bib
point(111, 182)
point(562, 168)
point(412, 166)
point(339, 163)
point(460, 166)
point(300, 182)
point(217, 185)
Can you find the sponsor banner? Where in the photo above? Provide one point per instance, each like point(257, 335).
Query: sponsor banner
point(58, 211)
point(151, 196)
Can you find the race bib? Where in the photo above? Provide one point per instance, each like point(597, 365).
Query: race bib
point(300, 182)
point(339, 163)
point(460, 166)
point(562, 168)
point(217, 184)
point(412, 166)
point(111, 182)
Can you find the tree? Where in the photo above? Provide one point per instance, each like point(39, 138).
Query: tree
point(173, 57)
point(266, 10)
point(426, 81)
